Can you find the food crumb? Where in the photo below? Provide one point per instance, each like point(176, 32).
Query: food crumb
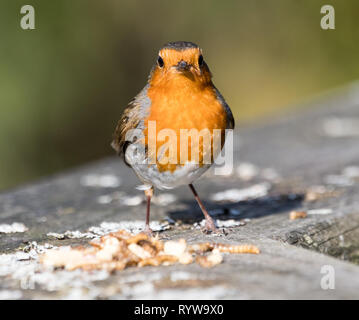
point(121, 249)
point(293, 215)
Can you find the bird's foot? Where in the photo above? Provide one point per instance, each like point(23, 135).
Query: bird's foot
point(148, 232)
point(210, 228)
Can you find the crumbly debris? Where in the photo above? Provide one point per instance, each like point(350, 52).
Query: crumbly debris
point(24, 268)
point(293, 215)
point(320, 211)
point(139, 251)
point(120, 250)
point(13, 228)
point(176, 248)
point(211, 260)
point(71, 235)
point(134, 226)
point(224, 247)
point(230, 223)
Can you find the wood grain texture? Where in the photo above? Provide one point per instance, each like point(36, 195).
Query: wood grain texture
point(292, 251)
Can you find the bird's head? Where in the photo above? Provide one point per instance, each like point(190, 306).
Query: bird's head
point(180, 61)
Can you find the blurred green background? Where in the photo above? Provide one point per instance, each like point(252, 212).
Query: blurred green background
point(63, 85)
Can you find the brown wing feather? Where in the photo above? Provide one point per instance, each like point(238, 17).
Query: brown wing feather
point(126, 122)
point(135, 112)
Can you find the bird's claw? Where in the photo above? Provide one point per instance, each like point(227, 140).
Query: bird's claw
point(210, 228)
point(148, 232)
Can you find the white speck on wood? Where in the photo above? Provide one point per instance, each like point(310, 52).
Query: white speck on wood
point(235, 195)
point(13, 228)
point(320, 211)
point(101, 181)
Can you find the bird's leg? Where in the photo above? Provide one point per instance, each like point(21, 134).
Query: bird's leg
point(210, 225)
point(148, 194)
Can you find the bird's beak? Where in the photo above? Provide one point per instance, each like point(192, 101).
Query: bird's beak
point(183, 66)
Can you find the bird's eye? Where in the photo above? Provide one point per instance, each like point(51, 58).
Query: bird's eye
point(200, 60)
point(160, 62)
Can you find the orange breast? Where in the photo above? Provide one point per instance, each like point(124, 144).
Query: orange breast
point(184, 104)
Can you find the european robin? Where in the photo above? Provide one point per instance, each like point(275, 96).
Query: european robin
point(179, 96)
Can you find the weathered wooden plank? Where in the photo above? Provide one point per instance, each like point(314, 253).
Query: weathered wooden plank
point(305, 149)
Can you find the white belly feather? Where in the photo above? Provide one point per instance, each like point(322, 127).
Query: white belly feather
point(151, 176)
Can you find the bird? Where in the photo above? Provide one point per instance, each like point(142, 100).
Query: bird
point(179, 95)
